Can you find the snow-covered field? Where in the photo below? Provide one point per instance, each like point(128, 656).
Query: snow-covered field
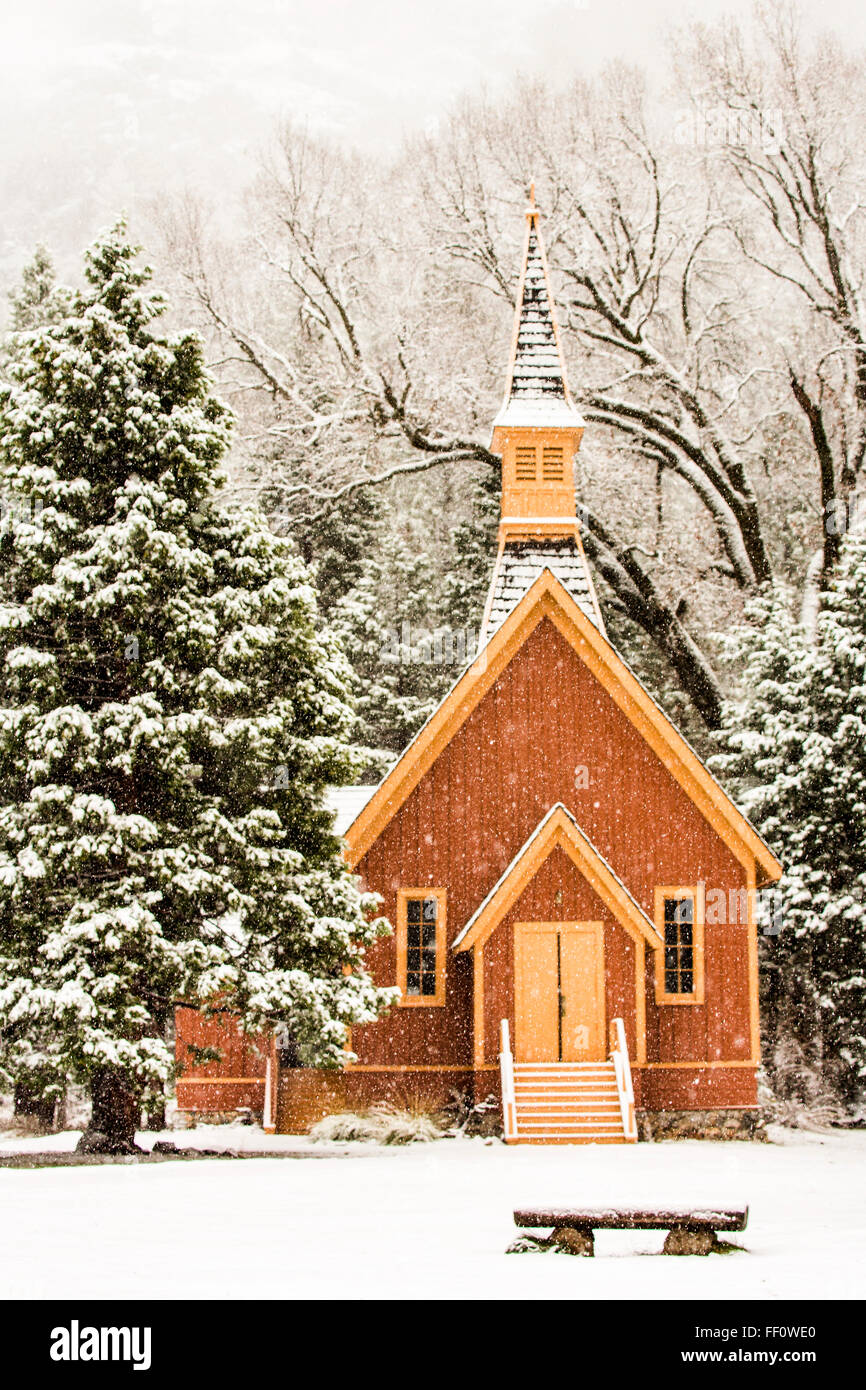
point(431, 1221)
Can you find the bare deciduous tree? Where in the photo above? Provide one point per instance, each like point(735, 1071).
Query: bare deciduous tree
point(798, 215)
point(709, 297)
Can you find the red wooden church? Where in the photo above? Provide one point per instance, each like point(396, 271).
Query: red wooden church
point(572, 893)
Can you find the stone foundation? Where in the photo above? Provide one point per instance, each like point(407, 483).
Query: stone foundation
point(653, 1125)
point(188, 1119)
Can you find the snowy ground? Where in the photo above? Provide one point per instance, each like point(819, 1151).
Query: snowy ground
point(224, 1138)
point(430, 1221)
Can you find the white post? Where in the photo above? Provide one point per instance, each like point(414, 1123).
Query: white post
point(622, 1071)
point(506, 1071)
point(269, 1117)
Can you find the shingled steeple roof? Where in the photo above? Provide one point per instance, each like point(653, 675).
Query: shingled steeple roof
point(537, 393)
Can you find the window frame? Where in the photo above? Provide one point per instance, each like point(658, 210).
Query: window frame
point(695, 891)
point(421, 1001)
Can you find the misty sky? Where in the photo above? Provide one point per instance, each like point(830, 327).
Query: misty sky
point(105, 103)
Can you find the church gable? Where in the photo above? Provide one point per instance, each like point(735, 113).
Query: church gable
point(545, 730)
point(557, 834)
point(549, 713)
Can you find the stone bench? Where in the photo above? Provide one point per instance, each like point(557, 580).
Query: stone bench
point(691, 1230)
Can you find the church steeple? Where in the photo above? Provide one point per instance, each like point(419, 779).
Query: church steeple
point(537, 433)
point(538, 430)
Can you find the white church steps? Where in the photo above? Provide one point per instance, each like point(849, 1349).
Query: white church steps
point(573, 1103)
point(568, 1102)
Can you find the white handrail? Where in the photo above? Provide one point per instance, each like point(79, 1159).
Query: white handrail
point(506, 1071)
point(269, 1110)
point(622, 1071)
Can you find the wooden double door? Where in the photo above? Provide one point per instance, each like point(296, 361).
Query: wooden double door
point(559, 1013)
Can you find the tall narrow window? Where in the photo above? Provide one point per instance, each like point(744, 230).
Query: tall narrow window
point(679, 918)
point(524, 463)
point(679, 945)
point(421, 945)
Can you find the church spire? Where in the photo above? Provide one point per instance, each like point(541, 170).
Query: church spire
point(537, 433)
point(537, 393)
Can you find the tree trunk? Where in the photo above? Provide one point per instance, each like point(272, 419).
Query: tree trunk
point(31, 1102)
point(115, 1116)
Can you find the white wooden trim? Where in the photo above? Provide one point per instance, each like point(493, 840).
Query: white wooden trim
point(506, 1071)
point(622, 1070)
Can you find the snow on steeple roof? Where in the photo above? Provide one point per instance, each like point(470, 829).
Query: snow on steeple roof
point(519, 565)
point(537, 393)
point(537, 369)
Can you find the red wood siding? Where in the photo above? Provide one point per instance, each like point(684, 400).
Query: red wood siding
point(681, 1088)
point(512, 759)
point(306, 1096)
point(237, 1080)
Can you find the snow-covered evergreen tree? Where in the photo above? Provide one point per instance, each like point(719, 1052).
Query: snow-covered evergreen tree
point(474, 541)
point(171, 710)
point(390, 626)
point(337, 545)
point(795, 746)
point(37, 299)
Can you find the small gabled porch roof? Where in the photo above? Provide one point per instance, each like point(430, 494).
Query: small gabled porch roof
point(557, 830)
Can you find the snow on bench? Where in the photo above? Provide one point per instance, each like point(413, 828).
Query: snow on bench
point(691, 1230)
